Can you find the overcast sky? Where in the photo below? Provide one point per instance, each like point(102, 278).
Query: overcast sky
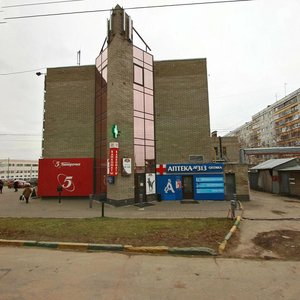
point(252, 51)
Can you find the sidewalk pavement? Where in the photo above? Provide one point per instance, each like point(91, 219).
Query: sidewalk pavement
point(261, 206)
point(10, 206)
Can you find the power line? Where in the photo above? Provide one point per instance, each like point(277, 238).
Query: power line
point(20, 134)
point(21, 72)
point(24, 140)
point(127, 8)
point(40, 3)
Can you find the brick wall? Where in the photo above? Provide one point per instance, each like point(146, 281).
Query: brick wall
point(230, 148)
point(69, 112)
point(182, 111)
point(241, 179)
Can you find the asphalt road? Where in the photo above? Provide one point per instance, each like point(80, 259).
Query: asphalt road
point(50, 274)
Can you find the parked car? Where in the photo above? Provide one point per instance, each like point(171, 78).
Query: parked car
point(21, 183)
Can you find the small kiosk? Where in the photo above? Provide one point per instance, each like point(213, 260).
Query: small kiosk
point(190, 181)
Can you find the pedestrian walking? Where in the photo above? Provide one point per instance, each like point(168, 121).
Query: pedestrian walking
point(16, 185)
point(1, 186)
point(33, 194)
point(27, 192)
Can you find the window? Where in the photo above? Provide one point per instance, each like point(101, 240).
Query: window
point(149, 127)
point(138, 75)
point(149, 104)
point(148, 79)
point(138, 100)
point(139, 128)
point(139, 154)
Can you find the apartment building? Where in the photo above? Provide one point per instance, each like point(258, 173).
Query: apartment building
point(278, 125)
point(287, 121)
point(18, 169)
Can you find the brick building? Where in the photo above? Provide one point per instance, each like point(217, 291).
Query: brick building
point(127, 127)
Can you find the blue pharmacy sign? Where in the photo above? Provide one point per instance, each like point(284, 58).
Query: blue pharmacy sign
point(209, 187)
point(208, 181)
point(169, 187)
point(193, 168)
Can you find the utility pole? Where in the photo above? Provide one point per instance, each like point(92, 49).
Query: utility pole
point(8, 168)
point(78, 58)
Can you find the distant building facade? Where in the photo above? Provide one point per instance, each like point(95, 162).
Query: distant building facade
point(18, 169)
point(278, 125)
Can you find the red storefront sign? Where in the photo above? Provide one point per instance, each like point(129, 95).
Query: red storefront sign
point(113, 161)
point(75, 175)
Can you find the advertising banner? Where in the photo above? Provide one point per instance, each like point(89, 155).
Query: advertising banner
point(74, 175)
point(113, 161)
point(126, 166)
point(150, 184)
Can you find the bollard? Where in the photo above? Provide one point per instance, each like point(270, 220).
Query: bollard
point(91, 200)
point(59, 189)
point(102, 209)
point(233, 206)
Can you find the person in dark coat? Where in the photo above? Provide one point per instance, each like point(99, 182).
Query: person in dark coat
point(27, 192)
point(16, 185)
point(1, 186)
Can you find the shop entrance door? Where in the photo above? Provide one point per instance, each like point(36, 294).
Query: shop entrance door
point(230, 188)
point(187, 187)
point(140, 194)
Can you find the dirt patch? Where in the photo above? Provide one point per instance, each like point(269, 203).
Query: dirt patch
point(285, 243)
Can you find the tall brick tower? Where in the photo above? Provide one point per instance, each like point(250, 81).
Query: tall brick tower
point(124, 99)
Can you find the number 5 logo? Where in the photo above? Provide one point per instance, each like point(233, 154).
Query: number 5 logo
point(66, 182)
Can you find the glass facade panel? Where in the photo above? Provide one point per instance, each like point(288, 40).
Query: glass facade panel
point(101, 123)
point(139, 129)
point(139, 155)
point(148, 76)
point(138, 53)
point(104, 74)
point(148, 58)
point(139, 142)
point(98, 62)
point(138, 87)
point(104, 55)
point(149, 104)
point(148, 91)
point(148, 67)
point(150, 152)
point(139, 114)
point(149, 126)
point(144, 143)
point(138, 62)
point(138, 75)
point(149, 117)
point(149, 143)
point(138, 100)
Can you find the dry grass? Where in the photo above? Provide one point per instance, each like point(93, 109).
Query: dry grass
point(138, 232)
